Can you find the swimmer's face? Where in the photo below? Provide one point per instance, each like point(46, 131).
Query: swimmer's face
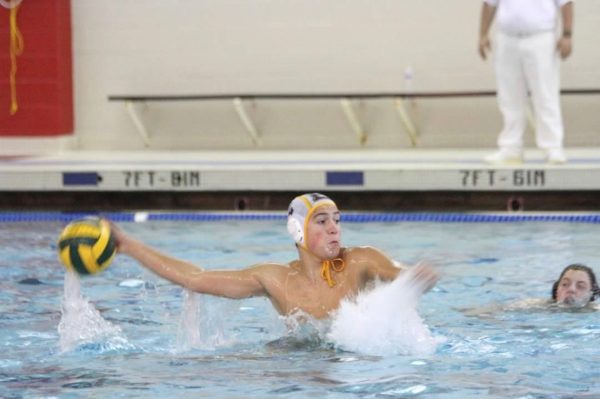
point(574, 289)
point(324, 232)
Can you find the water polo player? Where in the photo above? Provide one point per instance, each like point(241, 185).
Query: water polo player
point(576, 287)
point(315, 283)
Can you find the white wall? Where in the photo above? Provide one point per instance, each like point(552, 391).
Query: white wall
point(279, 46)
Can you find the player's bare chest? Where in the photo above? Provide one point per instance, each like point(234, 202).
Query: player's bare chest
point(317, 299)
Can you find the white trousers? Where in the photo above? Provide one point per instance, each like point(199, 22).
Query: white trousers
point(530, 63)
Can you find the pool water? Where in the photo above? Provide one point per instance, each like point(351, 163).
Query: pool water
point(153, 339)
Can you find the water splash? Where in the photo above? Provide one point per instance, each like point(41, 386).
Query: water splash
point(82, 325)
point(384, 321)
point(201, 326)
point(303, 331)
point(188, 333)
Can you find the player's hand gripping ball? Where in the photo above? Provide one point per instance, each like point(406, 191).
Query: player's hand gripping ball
point(86, 246)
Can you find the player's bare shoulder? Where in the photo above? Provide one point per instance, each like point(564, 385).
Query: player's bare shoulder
point(363, 254)
point(370, 263)
point(271, 274)
point(362, 259)
point(272, 268)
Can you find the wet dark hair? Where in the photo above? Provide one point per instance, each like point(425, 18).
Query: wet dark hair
point(583, 268)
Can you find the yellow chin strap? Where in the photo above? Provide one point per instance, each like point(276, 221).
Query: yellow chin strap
point(336, 264)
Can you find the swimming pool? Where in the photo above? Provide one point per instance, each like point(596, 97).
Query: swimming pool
point(156, 343)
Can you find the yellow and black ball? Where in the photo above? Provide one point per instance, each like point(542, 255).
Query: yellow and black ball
point(86, 246)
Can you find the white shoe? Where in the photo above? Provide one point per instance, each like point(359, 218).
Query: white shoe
point(505, 156)
point(556, 156)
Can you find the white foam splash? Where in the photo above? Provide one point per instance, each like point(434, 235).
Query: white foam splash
point(384, 321)
point(81, 323)
point(303, 326)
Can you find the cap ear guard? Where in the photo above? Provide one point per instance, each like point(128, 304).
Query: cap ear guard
point(294, 228)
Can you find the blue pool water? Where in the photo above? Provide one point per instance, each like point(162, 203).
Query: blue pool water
point(131, 334)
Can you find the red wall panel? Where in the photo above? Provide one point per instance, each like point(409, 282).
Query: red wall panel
point(44, 84)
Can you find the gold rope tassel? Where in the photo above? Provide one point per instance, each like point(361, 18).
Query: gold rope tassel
point(16, 49)
point(336, 264)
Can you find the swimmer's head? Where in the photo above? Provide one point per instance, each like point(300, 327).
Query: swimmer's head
point(576, 286)
point(299, 212)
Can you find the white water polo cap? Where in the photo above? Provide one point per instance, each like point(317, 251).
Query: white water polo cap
point(299, 212)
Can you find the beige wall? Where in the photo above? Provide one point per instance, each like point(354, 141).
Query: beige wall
point(279, 46)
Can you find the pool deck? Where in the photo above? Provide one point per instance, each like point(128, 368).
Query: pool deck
point(350, 172)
